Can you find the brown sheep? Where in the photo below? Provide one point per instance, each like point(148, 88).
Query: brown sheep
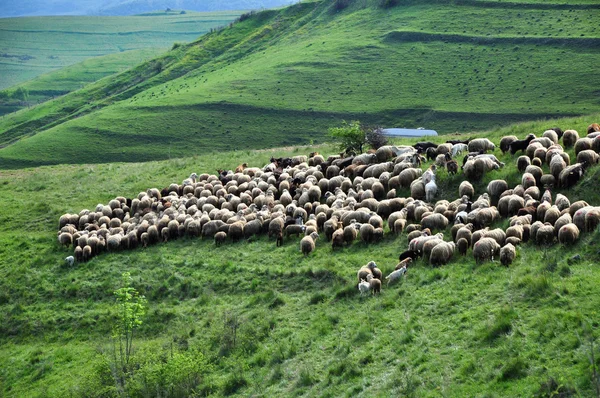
point(507, 254)
point(592, 128)
point(568, 234)
point(570, 137)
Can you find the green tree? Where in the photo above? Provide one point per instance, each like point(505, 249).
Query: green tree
point(130, 310)
point(351, 136)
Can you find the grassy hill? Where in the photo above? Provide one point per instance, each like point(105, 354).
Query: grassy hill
point(300, 327)
point(283, 77)
point(32, 46)
point(71, 78)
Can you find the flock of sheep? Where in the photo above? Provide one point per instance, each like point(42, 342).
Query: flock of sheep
point(346, 198)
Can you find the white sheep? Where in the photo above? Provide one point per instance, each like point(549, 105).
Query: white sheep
point(430, 189)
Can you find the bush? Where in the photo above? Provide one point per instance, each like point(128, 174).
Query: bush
point(375, 138)
point(339, 5)
point(388, 3)
point(351, 136)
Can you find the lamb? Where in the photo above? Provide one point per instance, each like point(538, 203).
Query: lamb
point(442, 253)
point(484, 249)
point(70, 260)
point(220, 238)
point(375, 285)
point(463, 246)
point(412, 254)
point(481, 144)
point(294, 229)
point(570, 137)
point(363, 287)
point(430, 190)
point(404, 263)
point(395, 275)
point(307, 244)
point(507, 254)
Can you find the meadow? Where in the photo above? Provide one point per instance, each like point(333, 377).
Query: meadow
point(282, 77)
point(33, 46)
point(250, 318)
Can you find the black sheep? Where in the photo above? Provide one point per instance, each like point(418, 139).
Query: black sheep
point(520, 145)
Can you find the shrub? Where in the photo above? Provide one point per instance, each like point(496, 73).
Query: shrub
point(388, 3)
point(339, 5)
point(350, 136)
point(375, 138)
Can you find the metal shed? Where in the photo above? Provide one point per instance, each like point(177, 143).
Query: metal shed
point(398, 132)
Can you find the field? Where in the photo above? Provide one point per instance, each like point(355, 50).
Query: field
point(249, 318)
point(283, 77)
point(33, 46)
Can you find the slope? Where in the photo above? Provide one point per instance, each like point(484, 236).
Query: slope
point(283, 77)
point(250, 318)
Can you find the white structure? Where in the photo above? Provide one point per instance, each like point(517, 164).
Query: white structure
point(420, 132)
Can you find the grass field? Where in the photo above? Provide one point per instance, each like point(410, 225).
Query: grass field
point(285, 76)
point(33, 46)
point(300, 327)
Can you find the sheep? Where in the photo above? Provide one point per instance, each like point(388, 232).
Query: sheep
point(587, 158)
point(466, 189)
point(592, 219)
point(562, 220)
point(276, 227)
point(86, 254)
point(496, 187)
point(570, 137)
point(395, 275)
point(366, 270)
point(337, 239)
point(294, 229)
point(481, 144)
point(593, 128)
point(507, 254)
point(350, 233)
point(557, 165)
point(307, 244)
point(545, 234)
point(528, 180)
point(551, 215)
point(366, 233)
point(484, 249)
point(417, 189)
point(442, 253)
point(506, 141)
point(65, 239)
point(568, 234)
point(570, 175)
point(520, 145)
point(582, 144)
point(434, 221)
point(407, 176)
point(551, 135)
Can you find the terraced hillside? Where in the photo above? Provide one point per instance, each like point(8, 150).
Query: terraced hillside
point(250, 318)
point(283, 77)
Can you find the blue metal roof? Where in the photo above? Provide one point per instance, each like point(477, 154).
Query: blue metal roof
point(396, 132)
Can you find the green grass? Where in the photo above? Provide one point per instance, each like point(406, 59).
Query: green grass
point(302, 328)
point(32, 46)
point(288, 75)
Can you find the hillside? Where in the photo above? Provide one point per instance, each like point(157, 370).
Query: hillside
point(250, 318)
point(30, 47)
point(283, 77)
